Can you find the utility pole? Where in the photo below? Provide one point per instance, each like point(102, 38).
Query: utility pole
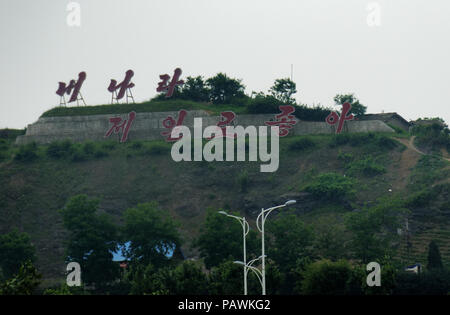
point(408, 243)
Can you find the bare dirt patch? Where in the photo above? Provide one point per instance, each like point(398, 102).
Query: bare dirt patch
point(408, 160)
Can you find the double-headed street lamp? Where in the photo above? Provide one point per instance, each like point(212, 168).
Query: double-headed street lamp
point(245, 229)
point(263, 215)
point(248, 267)
point(261, 274)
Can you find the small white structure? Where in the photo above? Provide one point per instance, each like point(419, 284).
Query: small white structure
point(417, 268)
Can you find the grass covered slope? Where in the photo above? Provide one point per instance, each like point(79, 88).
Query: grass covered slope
point(150, 106)
point(244, 105)
point(328, 175)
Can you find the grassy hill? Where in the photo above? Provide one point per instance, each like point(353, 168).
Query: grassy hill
point(36, 181)
point(149, 106)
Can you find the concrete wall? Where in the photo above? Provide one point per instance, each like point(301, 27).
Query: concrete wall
point(148, 126)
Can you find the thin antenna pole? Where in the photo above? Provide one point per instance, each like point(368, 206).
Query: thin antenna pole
point(408, 244)
point(292, 72)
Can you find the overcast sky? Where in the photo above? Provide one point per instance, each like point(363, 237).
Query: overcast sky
point(401, 65)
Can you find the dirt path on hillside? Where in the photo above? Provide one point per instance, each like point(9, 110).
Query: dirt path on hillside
point(408, 160)
point(410, 144)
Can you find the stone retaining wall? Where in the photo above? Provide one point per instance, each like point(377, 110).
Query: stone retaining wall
point(148, 126)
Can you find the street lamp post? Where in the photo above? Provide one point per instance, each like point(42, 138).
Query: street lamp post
point(263, 215)
point(245, 230)
point(249, 266)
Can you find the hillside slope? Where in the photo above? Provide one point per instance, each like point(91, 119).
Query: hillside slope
point(123, 175)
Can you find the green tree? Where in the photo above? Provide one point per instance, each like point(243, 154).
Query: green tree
point(143, 279)
point(329, 239)
point(220, 240)
point(27, 153)
point(289, 240)
point(187, 279)
point(224, 89)
point(24, 283)
point(372, 229)
point(283, 89)
point(152, 234)
point(429, 282)
point(195, 89)
point(263, 104)
point(434, 256)
point(325, 277)
point(226, 279)
point(15, 249)
point(92, 239)
point(358, 109)
point(432, 134)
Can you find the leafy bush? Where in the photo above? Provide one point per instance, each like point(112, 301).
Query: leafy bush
point(366, 166)
point(361, 139)
point(60, 149)
point(3, 145)
point(332, 187)
point(11, 134)
point(136, 145)
point(225, 279)
point(186, 278)
point(27, 153)
point(24, 283)
point(345, 157)
point(109, 145)
point(386, 142)
point(435, 282)
point(78, 155)
point(156, 149)
point(427, 170)
point(262, 104)
point(89, 148)
point(325, 277)
point(99, 153)
point(433, 136)
point(301, 144)
point(15, 249)
point(421, 198)
point(316, 113)
point(340, 139)
point(370, 140)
